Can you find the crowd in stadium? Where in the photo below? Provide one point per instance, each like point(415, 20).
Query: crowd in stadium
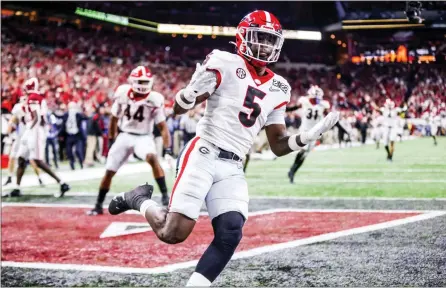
point(85, 67)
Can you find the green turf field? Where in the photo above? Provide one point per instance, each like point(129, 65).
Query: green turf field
point(418, 170)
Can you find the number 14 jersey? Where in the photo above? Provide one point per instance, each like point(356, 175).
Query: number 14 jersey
point(242, 103)
point(137, 116)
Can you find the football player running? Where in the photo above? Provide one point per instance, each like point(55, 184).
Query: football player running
point(242, 95)
point(32, 143)
point(377, 128)
point(390, 126)
point(137, 108)
point(17, 124)
point(314, 108)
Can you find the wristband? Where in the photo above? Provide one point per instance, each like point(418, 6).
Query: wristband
point(181, 102)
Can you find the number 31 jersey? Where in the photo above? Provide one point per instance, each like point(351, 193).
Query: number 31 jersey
point(137, 116)
point(312, 113)
point(242, 103)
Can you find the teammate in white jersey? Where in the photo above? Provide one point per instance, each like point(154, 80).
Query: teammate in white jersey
point(314, 108)
point(433, 123)
point(17, 124)
point(390, 126)
point(242, 96)
point(377, 127)
point(32, 142)
point(137, 108)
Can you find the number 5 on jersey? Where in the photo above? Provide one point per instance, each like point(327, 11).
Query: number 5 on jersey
point(248, 120)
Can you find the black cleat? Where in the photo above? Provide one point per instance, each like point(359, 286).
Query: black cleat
point(41, 183)
point(97, 210)
point(165, 200)
point(130, 200)
point(13, 193)
point(8, 181)
point(291, 177)
point(64, 187)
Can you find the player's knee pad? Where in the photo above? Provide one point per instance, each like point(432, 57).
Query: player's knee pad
point(22, 162)
point(228, 231)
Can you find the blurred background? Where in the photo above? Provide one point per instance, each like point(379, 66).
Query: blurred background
point(79, 56)
point(359, 53)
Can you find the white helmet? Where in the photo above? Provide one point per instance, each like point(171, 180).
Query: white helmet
point(141, 80)
point(31, 85)
point(389, 104)
point(315, 92)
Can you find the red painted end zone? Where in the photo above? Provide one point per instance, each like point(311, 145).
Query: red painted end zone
point(67, 235)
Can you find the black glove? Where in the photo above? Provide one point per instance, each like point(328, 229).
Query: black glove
point(167, 151)
point(110, 143)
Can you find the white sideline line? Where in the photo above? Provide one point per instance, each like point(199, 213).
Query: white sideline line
point(351, 170)
point(344, 198)
point(250, 214)
point(298, 181)
point(255, 197)
point(237, 255)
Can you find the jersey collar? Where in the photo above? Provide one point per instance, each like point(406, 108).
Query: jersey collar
point(258, 80)
point(132, 96)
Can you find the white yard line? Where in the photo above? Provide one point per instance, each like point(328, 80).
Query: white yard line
point(81, 175)
point(238, 255)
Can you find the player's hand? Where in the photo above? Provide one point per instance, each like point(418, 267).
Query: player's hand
point(202, 82)
point(110, 143)
point(320, 128)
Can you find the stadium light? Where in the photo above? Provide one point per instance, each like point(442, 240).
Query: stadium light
point(383, 26)
point(186, 29)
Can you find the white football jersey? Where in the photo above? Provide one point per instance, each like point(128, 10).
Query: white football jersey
point(241, 104)
point(377, 121)
point(312, 113)
point(19, 112)
point(435, 119)
point(390, 116)
point(137, 116)
point(35, 105)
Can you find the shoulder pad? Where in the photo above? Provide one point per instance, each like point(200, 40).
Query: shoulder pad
point(156, 99)
point(222, 55)
point(122, 92)
point(218, 60)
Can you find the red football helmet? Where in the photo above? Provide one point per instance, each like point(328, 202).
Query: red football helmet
point(31, 86)
point(259, 38)
point(141, 80)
